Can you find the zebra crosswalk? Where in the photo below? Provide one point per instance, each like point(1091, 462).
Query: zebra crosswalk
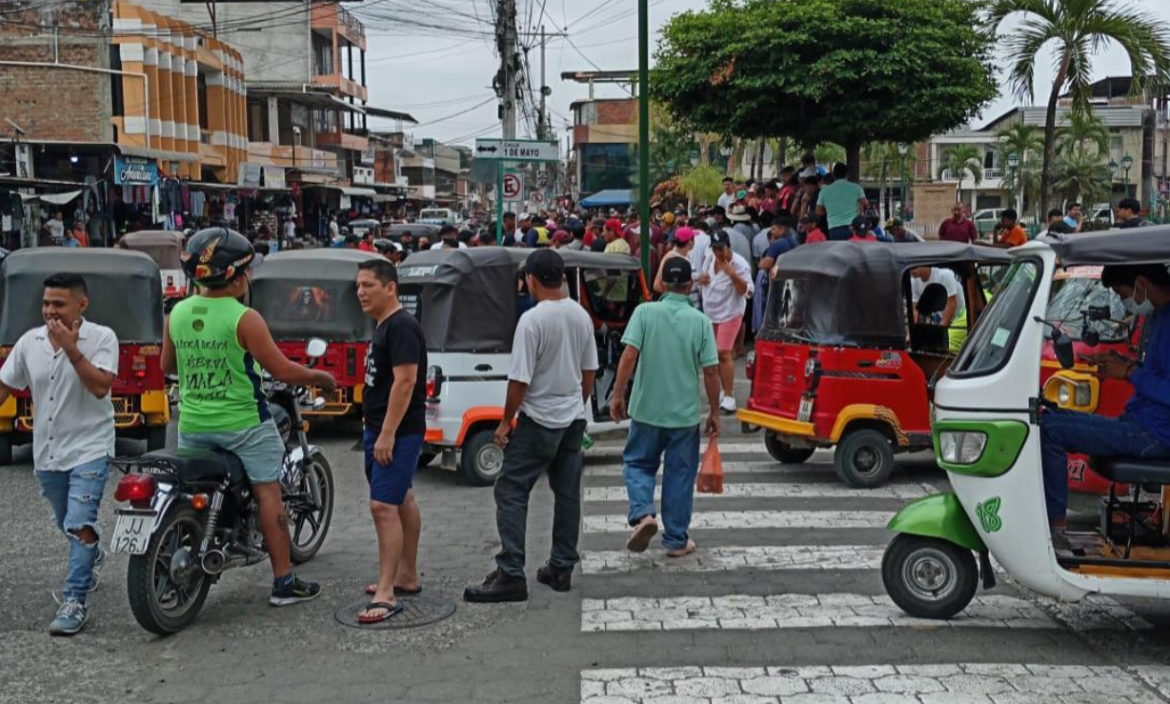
point(789, 555)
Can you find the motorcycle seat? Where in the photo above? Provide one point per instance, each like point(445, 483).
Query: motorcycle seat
point(194, 466)
point(1133, 470)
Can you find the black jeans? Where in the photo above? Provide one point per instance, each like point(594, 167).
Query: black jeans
point(532, 451)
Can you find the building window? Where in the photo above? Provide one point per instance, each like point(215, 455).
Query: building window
point(201, 93)
point(117, 100)
point(322, 56)
point(605, 166)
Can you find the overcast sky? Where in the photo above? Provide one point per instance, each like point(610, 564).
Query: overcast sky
point(445, 72)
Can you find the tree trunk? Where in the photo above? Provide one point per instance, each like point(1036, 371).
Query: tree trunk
point(853, 159)
point(760, 159)
point(883, 193)
point(1050, 133)
point(782, 154)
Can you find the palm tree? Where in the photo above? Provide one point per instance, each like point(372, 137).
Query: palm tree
point(702, 183)
point(884, 162)
point(1077, 29)
point(1024, 142)
point(1082, 177)
point(1082, 130)
point(960, 161)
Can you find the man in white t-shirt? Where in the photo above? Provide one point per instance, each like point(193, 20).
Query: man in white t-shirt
point(554, 361)
point(727, 198)
point(726, 283)
point(924, 276)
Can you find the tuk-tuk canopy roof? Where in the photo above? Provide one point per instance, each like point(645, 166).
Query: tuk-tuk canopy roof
point(1139, 245)
point(125, 290)
point(416, 229)
point(449, 266)
point(163, 246)
point(851, 293)
point(310, 264)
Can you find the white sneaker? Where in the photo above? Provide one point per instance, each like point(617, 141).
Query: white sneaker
point(727, 404)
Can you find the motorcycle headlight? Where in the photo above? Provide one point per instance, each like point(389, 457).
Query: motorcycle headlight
point(1063, 394)
point(961, 447)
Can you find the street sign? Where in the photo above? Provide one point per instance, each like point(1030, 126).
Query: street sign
point(517, 150)
point(537, 198)
point(542, 179)
point(513, 186)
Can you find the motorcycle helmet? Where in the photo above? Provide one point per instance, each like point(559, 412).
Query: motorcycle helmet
point(216, 255)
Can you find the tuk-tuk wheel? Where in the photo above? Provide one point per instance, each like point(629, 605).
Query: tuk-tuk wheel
point(864, 458)
point(482, 459)
point(6, 449)
point(784, 453)
point(929, 577)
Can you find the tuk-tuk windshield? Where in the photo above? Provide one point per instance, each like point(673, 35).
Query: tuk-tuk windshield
point(298, 310)
point(1074, 296)
point(991, 342)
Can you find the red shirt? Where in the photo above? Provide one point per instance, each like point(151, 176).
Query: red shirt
point(868, 238)
point(365, 246)
point(962, 231)
point(814, 236)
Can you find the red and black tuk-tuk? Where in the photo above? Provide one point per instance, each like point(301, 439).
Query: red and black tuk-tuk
point(310, 293)
point(846, 358)
point(1092, 316)
point(165, 248)
point(125, 295)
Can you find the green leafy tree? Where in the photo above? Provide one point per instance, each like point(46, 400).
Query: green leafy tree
point(960, 161)
point(1083, 129)
point(703, 183)
point(842, 71)
point(884, 162)
point(1076, 30)
point(1026, 143)
point(1081, 176)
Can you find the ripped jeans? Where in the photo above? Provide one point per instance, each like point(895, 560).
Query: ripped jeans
point(75, 496)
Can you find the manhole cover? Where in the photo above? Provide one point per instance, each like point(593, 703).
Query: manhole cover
point(421, 610)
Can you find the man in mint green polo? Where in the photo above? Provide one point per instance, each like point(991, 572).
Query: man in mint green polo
point(676, 343)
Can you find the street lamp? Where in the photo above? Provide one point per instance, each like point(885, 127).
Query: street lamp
point(1013, 162)
point(1127, 164)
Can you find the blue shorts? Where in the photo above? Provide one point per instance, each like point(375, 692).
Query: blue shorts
point(259, 449)
point(389, 483)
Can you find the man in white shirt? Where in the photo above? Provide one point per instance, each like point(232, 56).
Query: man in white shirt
point(924, 276)
point(56, 228)
point(69, 365)
point(554, 361)
point(727, 198)
point(726, 283)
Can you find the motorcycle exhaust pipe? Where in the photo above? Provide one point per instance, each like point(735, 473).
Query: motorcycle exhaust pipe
point(213, 561)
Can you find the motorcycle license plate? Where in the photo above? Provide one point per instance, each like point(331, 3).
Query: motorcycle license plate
point(133, 531)
point(806, 408)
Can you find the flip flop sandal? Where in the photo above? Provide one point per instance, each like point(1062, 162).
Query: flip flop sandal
point(398, 591)
point(391, 610)
point(642, 536)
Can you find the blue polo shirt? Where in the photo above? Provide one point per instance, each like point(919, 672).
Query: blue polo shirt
point(675, 343)
point(1149, 406)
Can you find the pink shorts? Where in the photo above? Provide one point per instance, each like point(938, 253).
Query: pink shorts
point(725, 334)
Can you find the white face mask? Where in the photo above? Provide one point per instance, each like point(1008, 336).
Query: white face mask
point(1146, 307)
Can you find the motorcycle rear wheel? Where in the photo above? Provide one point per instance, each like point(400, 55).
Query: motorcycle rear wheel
point(308, 528)
point(167, 587)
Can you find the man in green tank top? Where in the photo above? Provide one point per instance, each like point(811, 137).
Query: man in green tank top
point(217, 345)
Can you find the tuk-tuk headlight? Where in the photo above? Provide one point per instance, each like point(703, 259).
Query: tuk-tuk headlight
point(961, 447)
point(1063, 395)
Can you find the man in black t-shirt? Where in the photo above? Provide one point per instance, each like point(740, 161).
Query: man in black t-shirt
point(394, 403)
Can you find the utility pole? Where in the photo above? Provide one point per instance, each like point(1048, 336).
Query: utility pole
point(542, 126)
point(644, 130)
point(506, 31)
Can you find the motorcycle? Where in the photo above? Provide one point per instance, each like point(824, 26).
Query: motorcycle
point(192, 516)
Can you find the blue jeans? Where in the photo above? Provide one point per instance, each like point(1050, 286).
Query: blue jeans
point(644, 452)
point(75, 496)
point(1062, 432)
point(840, 234)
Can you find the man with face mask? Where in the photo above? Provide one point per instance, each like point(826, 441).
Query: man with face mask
point(1143, 430)
point(69, 365)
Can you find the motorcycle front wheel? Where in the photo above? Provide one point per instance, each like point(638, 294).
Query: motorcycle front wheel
point(310, 514)
point(166, 584)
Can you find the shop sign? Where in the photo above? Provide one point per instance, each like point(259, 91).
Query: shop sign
point(274, 177)
point(249, 175)
point(135, 171)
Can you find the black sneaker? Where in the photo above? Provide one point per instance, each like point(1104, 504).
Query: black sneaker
point(294, 592)
point(496, 588)
point(558, 580)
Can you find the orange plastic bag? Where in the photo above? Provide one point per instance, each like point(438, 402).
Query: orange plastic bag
point(711, 471)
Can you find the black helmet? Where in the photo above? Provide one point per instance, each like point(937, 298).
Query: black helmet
point(216, 255)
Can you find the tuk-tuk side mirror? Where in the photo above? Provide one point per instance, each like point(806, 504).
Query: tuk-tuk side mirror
point(1063, 347)
point(316, 348)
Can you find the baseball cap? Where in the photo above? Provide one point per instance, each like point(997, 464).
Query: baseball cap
point(894, 222)
point(614, 224)
point(861, 224)
point(676, 270)
point(525, 216)
point(546, 266)
point(720, 238)
point(683, 235)
point(668, 218)
point(738, 214)
point(562, 237)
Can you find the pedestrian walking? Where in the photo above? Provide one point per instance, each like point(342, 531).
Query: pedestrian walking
point(672, 345)
point(69, 365)
point(726, 284)
point(841, 202)
point(394, 404)
point(958, 228)
point(554, 361)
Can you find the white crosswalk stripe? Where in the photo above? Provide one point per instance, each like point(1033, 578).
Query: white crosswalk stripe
point(722, 559)
point(770, 468)
point(614, 451)
point(804, 490)
point(877, 684)
point(738, 520)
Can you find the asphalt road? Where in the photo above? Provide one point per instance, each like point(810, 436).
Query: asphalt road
point(781, 604)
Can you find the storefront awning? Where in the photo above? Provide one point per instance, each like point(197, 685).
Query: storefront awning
point(360, 192)
point(53, 198)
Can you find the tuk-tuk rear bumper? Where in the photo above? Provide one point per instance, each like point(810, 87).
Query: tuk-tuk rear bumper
point(342, 402)
point(147, 410)
point(783, 426)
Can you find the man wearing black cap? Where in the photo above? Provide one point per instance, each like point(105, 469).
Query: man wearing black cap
point(554, 360)
point(676, 343)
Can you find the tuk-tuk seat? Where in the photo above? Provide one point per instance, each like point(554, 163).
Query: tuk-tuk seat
point(930, 338)
point(1133, 470)
point(194, 466)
